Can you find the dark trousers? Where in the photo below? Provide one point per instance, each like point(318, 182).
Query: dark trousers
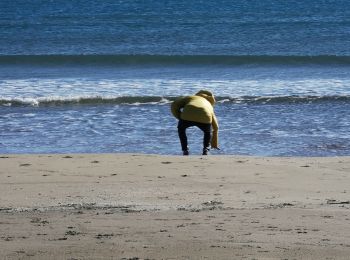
point(184, 124)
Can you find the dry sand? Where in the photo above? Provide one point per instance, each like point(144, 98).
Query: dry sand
point(110, 206)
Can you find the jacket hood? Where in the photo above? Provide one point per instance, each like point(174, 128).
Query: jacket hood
point(207, 95)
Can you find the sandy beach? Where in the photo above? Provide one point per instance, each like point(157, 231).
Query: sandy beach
point(131, 206)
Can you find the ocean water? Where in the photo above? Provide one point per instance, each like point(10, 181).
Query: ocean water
point(99, 76)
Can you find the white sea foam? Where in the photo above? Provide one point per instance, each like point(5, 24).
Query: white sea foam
point(35, 91)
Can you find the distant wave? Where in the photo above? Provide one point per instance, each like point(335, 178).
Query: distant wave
point(284, 99)
point(170, 60)
point(97, 100)
point(158, 100)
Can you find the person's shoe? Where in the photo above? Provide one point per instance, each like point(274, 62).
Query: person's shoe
point(186, 152)
point(205, 151)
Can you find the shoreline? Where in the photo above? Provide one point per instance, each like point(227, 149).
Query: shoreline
point(128, 206)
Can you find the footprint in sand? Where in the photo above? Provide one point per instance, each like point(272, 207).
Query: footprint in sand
point(166, 162)
point(25, 164)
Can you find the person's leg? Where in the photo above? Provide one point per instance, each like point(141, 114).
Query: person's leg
point(206, 128)
point(182, 126)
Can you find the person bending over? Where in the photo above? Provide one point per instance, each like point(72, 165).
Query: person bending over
point(197, 110)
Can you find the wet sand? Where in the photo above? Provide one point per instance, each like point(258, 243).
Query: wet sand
point(130, 206)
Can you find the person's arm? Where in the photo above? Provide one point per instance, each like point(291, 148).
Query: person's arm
point(177, 105)
point(215, 138)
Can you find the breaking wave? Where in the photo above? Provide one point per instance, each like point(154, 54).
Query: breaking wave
point(159, 100)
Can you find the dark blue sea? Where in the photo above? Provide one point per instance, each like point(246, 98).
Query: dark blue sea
point(99, 76)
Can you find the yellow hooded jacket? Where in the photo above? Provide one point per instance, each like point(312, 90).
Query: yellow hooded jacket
point(198, 108)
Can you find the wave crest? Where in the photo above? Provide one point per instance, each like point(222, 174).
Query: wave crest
point(160, 100)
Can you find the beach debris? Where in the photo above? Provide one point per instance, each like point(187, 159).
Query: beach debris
point(39, 221)
point(67, 157)
point(212, 203)
point(72, 233)
point(100, 236)
point(335, 202)
point(78, 209)
point(7, 238)
point(5, 209)
point(281, 205)
point(166, 162)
